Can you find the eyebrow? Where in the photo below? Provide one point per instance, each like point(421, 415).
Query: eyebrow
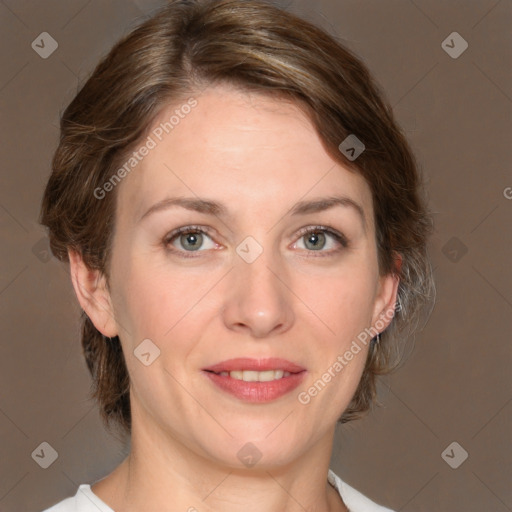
point(214, 208)
point(318, 205)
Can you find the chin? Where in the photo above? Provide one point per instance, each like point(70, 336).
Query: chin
point(265, 447)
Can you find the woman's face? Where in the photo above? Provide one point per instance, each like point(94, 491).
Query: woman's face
point(247, 282)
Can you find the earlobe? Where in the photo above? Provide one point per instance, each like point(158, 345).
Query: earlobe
point(92, 294)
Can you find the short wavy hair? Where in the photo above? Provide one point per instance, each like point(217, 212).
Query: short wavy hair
point(261, 48)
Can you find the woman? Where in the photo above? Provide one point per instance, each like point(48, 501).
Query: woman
point(241, 215)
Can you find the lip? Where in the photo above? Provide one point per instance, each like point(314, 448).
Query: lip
point(256, 392)
point(258, 365)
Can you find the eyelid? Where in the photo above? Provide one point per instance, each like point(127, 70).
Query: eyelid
point(338, 236)
point(192, 228)
point(206, 230)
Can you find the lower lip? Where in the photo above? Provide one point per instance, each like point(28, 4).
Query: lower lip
point(257, 392)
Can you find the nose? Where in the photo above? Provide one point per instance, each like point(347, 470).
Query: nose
point(257, 301)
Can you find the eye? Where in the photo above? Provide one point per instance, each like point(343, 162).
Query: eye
point(321, 239)
point(190, 239)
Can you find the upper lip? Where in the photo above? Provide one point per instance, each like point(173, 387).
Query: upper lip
point(259, 365)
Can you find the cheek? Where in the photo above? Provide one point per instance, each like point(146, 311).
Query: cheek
point(160, 306)
point(342, 305)
point(154, 302)
point(341, 302)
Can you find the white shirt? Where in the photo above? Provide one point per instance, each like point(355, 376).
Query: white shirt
point(86, 501)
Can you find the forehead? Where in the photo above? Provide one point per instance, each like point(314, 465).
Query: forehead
point(246, 149)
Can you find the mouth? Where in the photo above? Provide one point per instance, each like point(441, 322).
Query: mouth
point(256, 380)
point(255, 365)
point(253, 376)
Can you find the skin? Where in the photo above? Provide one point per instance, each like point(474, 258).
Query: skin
point(258, 156)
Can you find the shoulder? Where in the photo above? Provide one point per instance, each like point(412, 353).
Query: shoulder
point(83, 501)
point(355, 501)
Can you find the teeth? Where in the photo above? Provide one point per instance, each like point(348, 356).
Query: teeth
point(253, 376)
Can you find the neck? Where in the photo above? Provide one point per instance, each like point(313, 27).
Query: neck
point(162, 470)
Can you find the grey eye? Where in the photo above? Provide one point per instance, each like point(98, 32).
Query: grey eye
point(315, 240)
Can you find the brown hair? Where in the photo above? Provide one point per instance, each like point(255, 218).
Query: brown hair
point(257, 47)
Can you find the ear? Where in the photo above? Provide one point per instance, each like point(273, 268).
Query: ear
point(93, 295)
point(387, 294)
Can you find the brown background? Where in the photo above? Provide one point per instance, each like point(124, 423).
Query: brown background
point(456, 384)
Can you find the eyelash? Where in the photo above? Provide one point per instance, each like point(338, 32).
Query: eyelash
point(339, 237)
